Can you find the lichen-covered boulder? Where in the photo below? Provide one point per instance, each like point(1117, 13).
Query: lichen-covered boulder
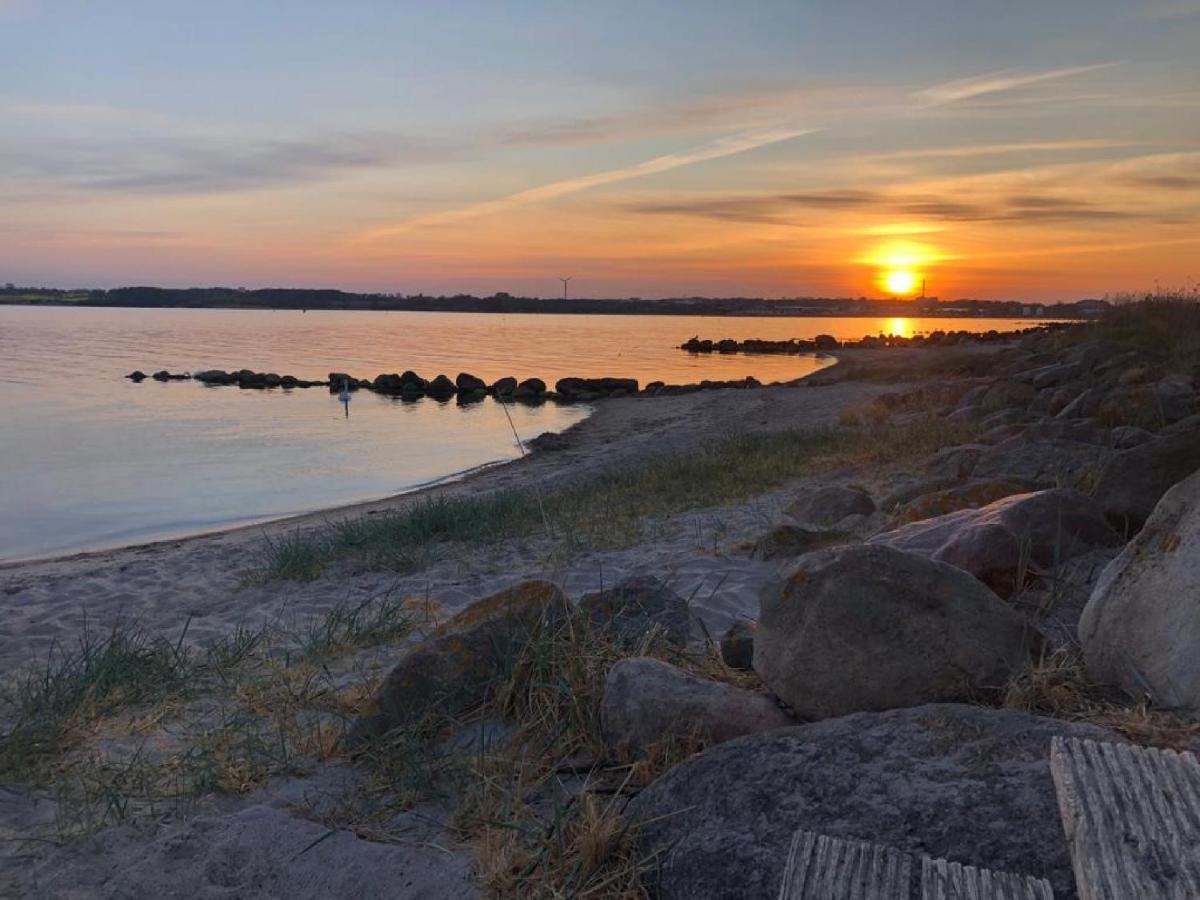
point(1141, 626)
point(964, 783)
point(628, 611)
point(461, 662)
point(870, 627)
point(647, 701)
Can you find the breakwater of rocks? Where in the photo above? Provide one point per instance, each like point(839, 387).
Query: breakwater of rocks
point(466, 388)
point(826, 342)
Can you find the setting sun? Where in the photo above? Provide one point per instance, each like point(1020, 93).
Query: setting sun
point(900, 281)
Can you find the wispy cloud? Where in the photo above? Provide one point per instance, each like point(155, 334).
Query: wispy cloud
point(726, 146)
point(995, 82)
point(173, 165)
point(972, 150)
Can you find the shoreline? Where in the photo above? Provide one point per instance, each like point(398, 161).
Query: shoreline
point(310, 517)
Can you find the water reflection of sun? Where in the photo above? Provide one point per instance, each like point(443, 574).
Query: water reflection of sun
point(899, 327)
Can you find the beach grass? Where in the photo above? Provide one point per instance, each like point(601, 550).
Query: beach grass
point(103, 672)
point(608, 510)
point(1165, 326)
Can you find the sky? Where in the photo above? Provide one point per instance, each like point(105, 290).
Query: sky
point(1031, 150)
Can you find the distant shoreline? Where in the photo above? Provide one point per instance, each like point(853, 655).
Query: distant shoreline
point(569, 308)
point(148, 297)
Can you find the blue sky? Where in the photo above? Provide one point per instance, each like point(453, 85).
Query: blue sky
point(1017, 149)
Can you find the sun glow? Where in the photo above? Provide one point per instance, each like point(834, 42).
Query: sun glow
point(900, 281)
point(900, 266)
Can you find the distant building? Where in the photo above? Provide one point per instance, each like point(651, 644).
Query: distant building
point(1092, 307)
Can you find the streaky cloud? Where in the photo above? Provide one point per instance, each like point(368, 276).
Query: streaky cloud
point(722, 147)
point(995, 82)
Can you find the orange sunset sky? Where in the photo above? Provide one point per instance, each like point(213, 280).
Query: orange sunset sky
point(1031, 150)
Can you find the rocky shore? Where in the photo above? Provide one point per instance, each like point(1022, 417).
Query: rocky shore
point(958, 551)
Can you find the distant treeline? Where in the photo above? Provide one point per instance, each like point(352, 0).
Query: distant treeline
point(298, 298)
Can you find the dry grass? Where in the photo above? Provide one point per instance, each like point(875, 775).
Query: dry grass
point(1057, 685)
point(1165, 326)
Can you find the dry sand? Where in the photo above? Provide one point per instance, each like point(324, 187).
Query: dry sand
point(255, 845)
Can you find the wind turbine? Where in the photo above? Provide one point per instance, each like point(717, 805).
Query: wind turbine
point(565, 281)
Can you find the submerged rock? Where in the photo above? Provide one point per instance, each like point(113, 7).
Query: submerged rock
point(505, 387)
point(1141, 627)
point(441, 386)
point(469, 384)
point(647, 701)
point(959, 782)
point(530, 387)
point(870, 627)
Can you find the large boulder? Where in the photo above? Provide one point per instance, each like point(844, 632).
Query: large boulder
point(1018, 535)
point(1047, 462)
point(647, 701)
point(458, 666)
point(628, 611)
point(829, 507)
point(1134, 480)
point(964, 783)
point(1141, 627)
point(870, 627)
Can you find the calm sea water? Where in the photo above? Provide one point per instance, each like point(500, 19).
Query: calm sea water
point(90, 460)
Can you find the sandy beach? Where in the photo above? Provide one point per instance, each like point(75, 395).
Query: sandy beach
point(202, 579)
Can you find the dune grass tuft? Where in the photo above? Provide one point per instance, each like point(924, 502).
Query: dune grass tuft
point(102, 673)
